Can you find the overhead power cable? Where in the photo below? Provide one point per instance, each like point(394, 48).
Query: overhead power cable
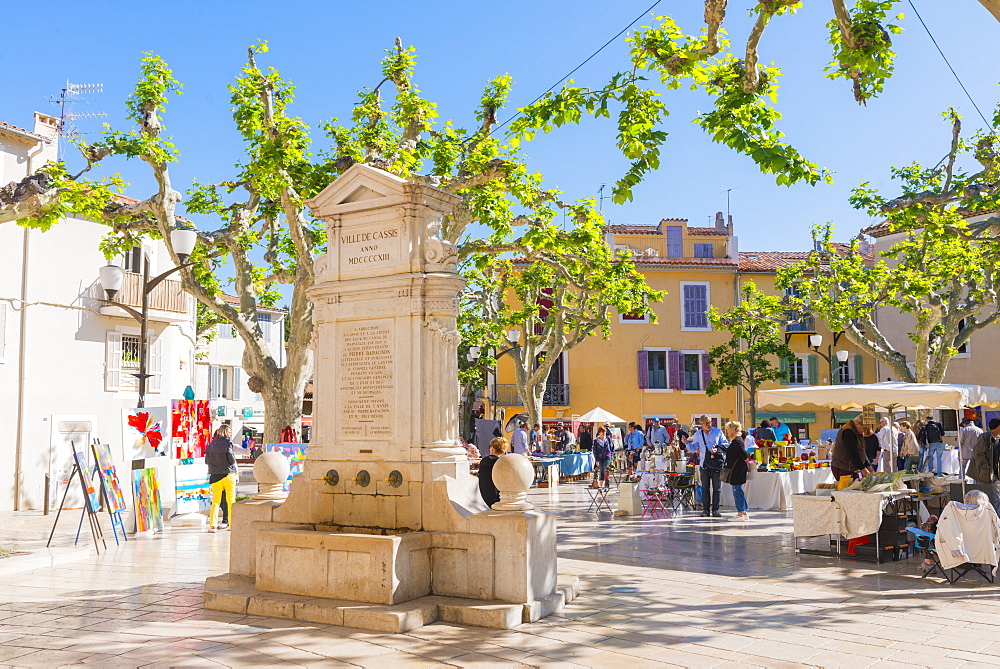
point(945, 58)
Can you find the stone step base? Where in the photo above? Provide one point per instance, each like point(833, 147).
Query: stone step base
point(237, 594)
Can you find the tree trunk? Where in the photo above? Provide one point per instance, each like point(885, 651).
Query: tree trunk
point(533, 405)
point(993, 6)
point(281, 410)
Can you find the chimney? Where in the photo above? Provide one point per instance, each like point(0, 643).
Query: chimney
point(720, 221)
point(729, 224)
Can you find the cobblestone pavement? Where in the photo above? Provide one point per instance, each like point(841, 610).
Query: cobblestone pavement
point(685, 591)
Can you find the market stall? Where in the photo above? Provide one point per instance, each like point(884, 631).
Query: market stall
point(573, 464)
point(774, 490)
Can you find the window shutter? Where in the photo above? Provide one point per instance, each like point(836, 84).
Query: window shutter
point(813, 370)
point(784, 370)
point(213, 382)
point(706, 371)
point(113, 361)
point(156, 366)
point(643, 369)
point(859, 369)
point(3, 330)
point(675, 241)
point(675, 369)
point(236, 382)
point(695, 300)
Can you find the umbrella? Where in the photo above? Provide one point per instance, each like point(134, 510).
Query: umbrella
point(599, 415)
point(512, 423)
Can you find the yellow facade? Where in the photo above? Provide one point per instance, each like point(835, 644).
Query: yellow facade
point(606, 373)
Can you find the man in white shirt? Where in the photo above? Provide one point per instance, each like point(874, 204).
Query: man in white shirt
point(711, 446)
point(968, 435)
point(519, 440)
point(887, 441)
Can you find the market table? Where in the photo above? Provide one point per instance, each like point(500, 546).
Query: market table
point(574, 464)
point(774, 490)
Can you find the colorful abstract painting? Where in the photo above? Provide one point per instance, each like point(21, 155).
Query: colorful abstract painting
point(296, 454)
point(192, 428)
point(148, 510)
point(191, 486)
point(144, 432)
point(93, 494)
point(109, 476)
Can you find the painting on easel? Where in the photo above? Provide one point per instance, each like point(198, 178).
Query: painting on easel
point(106, 469)
point(148, 511)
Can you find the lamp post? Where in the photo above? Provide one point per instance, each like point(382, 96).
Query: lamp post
point(112, 277)
point(816, 340)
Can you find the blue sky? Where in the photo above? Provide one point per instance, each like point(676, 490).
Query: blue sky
point(331, 49)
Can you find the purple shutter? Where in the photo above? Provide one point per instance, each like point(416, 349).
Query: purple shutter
point(695, 304)
point(675, 369)
point(706, 371)
point(643, 369)
point(675, 241)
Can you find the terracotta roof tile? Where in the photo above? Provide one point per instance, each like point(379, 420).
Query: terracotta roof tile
point(655, 260)
point(10, 126)
point(707, 232)
point(634, 229)
point(235, 301)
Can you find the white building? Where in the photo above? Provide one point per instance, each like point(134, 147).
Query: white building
point(219, 373)
point(66, 359)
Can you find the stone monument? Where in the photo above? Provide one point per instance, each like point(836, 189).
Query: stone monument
point(385, 529)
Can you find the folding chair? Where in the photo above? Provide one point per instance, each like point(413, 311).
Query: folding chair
point(599, 499)
point(924, 540)
point(653, 503)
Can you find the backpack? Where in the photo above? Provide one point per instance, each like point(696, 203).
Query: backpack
point(933, 433)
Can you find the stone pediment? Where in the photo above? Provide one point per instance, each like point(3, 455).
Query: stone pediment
point(360, 187)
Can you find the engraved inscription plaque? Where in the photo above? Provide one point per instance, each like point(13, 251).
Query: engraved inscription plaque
point(366, 380)
point(368, 247)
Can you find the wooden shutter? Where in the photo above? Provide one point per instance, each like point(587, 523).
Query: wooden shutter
point(835, 377)
point(675, 241)
point(859, 369)
point(113, 361)
point(236, 382)
point(213, 382)
point(156, 366)
point(675, 370)
point(643, 363)
point(3, 330)
point(706, 371)
point(813, 370)
point(695, 305)
point(784, 370)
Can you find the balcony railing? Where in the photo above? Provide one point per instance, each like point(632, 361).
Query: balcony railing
point(505, 395)
point(167, 296)
point(804, 324)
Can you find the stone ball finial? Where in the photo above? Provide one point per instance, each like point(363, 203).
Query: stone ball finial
point(512, 475)
point(270, 471)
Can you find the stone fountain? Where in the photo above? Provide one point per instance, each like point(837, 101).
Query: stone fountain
point(385, 529)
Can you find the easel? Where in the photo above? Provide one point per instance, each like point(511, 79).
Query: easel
point(79, 464)
point(116, 516)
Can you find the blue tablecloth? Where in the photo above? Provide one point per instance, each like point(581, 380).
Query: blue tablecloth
point(572, 464)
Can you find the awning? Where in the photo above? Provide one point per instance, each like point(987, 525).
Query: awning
point(307, 421)
point(886, 394)
point(788, 416)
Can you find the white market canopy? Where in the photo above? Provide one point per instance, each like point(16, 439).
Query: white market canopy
point(886, 394)
point(599, 415)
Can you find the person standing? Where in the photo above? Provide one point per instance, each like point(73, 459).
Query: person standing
point(887, 436)
point(488, 489)
point(603, 447)
point(635, 440)
point(934, 440)
point(519, 440)
point(658, 435)
point(764, 433)
point(985, 460)
point(711, 445)
point(586, 440)
point(222, 475)
point(781, 431)
point(562, 437)
point(968, 435)
point(736, 463)
point(872, 448)
point(849, 456)
point(909, 450)
point(900, 438)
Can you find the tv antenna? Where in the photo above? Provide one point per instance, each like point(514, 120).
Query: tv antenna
point(600, 193)
point(728, 191)
point(68, 100)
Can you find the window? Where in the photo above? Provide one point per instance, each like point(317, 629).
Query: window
point(631, 318)
point(692, 371)
point(657, 366)
point(703, 251)
point(133, 260)
point(963, 350)
point(121, 362)
point(226, 331)
point(694, 305)
point(797, 372)
point(224, 382)
point(266, 328)
point(842, 373)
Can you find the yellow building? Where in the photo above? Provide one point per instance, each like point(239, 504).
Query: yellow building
point(647, 371)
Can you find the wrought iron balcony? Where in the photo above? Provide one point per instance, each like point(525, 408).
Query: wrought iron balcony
point(505, 395)
point(804, 324)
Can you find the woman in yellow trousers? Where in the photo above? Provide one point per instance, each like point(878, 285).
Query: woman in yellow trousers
point(222, 472)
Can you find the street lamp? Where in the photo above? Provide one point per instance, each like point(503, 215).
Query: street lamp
point(816, 340)
point(112, 276)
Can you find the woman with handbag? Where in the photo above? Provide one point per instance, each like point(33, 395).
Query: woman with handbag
point(735, 471)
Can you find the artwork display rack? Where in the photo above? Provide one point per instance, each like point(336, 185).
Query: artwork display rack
point(113, 508)
point(79, 466)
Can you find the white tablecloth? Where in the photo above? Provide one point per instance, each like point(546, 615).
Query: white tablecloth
point(774, 490)
point(851, 513)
